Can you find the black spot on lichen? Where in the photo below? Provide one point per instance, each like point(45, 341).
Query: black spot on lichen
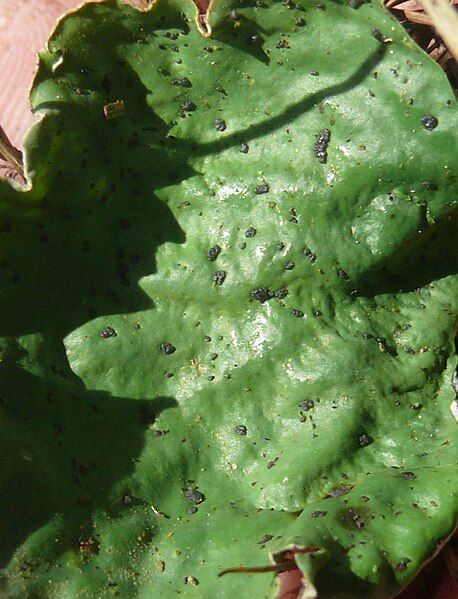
point(219, 277)
point(342, 274)
point(265, 539)
point(250, 232)
point(318, 514)
point(108, 332)
point(243, 148)
point(182, 82)
point(408, 475)
point(194, 496)
point(263, 294)
point(241, 430)
point(402, 565)
point(321, 145)
point(168, 349)
point(171, 35)
point(283, 45)
point(263, 188)
point(213, 253)
point(376, 34)
point(297, 313)
point(310, 255)
point(188, 106)
point(429, 122)
point(429, 185)
point(220, 125)
point(365, 440)
point(281, 293)
point(339, 491)
point(307, 404)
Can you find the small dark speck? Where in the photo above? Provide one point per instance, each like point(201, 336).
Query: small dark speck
point(270, 464)
point(317, 313)
point(241, 430)
point(168, 349)
point(158, 433)
point(188, 106)
point(343, 275)
point(297, 313)
point(243, 148)
point(283, 44)
point(182, 82)
point(365, 440)
point(262, 294)
point(321, 145)
point(108, 332)
point(281, 293)
point(85, 71)
point(358, 521)
point(429, 185)
point(290, 266)
point(192, 509)
point(265, 539)
point(307, 404)
point(220, 125)
point(402, 565)
point(194, 496)
point(219, 277)
point(127, 500)
point(318, 514)
point(263, 188)
point(234, 15)
point(219, 88)
point(280, 246)
point(376, 34)
point(207, 338)
point(293, 219)
point(314, 73)
point(213, 253)
point(408, 475)
point(429, 122)
point(299, 22)
point(310, 255)
point(250, 232)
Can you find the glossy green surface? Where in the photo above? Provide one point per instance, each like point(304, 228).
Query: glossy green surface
point(107, 439)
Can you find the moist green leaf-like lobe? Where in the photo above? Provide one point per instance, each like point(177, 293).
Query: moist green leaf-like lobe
point(170, 410)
